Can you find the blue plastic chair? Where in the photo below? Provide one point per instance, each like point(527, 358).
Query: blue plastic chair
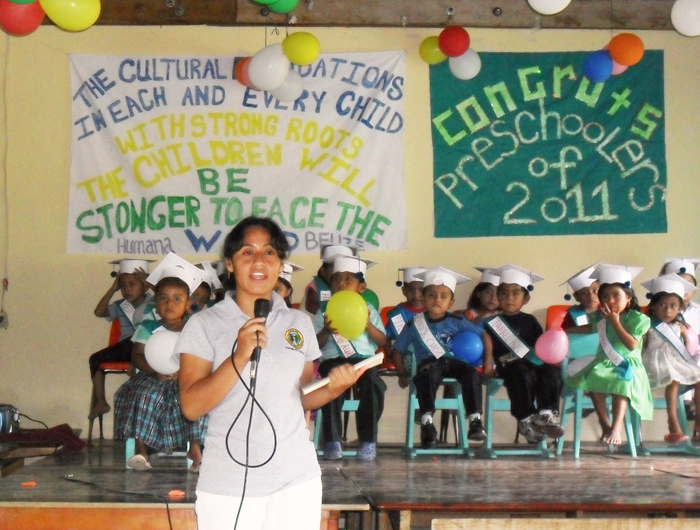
point(581, 345)
point(492, 405)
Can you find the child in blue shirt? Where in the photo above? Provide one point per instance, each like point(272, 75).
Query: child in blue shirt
point(348, 275)
point(430, 335)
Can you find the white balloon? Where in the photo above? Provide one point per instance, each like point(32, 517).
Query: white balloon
point(548, 7)
point(576, 365)
point(465, 66)
point(685, 17)
point(160, 352)
point(269, 68)
point(291, 89)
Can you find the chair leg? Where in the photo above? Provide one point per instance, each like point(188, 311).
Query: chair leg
point(93, 399)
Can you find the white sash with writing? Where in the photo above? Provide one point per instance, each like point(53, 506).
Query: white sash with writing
point(128, 309)
point(508, 337)
point(608, 349)
point(399, 323)
point(345, 345)
point(674, 340)
point(325, 296)
point(427, 337)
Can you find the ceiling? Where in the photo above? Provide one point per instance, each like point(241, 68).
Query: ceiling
point(580, 14)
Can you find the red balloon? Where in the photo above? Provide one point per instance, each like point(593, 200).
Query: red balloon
point(453, 41)
point(20, 19)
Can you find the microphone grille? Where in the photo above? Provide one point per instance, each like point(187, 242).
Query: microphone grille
point(262, 308)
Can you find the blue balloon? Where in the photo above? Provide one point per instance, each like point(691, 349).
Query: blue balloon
point(468, 347)
point(597, 67)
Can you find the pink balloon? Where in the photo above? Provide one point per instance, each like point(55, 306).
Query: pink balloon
point(552, 346)
point(691, 341)
point(618, 68)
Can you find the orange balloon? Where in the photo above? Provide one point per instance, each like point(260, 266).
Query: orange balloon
point(241, 72)
point(626, 49)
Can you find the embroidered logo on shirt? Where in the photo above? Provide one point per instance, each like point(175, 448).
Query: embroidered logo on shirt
point(294, 338)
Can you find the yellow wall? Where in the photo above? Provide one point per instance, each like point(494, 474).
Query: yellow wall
point(43, 354)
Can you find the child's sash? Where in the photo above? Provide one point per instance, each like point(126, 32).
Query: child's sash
point(346, 347)
point(508, 337)
point(426, 336)
point(622, 365)
point(127, 309)
point(578, 315)
point(399, 323)
point(674, 340)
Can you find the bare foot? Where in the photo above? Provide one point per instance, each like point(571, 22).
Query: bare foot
point(614, 437)
point(99, 410)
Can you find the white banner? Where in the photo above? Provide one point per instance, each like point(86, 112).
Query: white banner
point(169, 153)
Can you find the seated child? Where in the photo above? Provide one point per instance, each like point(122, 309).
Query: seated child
point(665, 355)
point(318, 292)
point(430, 336)
point(617, 368)
point(585, 291)
point(284, 282)
point(402, 313)
point(147, 406)
point(130, 280)
point(483, 302)
point(686, 269)
point(348, 272)
point(201, 298)
point(534, 388)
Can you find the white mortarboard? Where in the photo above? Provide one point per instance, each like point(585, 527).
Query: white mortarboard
point(409, 274)
point(173, 265)
point(442, 276)
point(352, 264)
point(288, 269)
point(488, 275)
point(581, 279)
point(609, 273)
point(681, 266)
point(211, 276)
point(220, 266)
point(669, 283)
point(329, 252)
point(129, 265)
point(517, 275)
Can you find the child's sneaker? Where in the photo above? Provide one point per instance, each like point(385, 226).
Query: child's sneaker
point(548, 423)
point(428, 436)
point(367, 451)
point(332, 451)
point(476, 430)
point(530, 431)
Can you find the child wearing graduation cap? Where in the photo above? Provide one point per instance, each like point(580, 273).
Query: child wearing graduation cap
point(585, 292)
point(617, 368)
point(348, 275)
point(665, 355)
point(686, 268)
point(534, 388)
point(398, 316)
point(430, 336)
point(318, 292)
point(284, 282)
point(483, 302)
point(130, 280)
point(147, 406)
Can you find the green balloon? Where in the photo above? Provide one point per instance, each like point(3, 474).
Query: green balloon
point(371, 298)
point(283, 6)
point(23, 2)
point(265, 2)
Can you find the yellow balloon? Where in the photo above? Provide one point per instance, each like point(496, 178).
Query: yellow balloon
point(347, 311)
point(72, 15)
point(430, 51)
point(301, 48)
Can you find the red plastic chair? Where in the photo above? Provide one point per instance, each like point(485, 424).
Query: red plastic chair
point(555, 316)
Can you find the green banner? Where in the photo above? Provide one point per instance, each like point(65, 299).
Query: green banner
point(531, 147)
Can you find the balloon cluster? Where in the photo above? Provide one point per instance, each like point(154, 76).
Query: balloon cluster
point(624, 50)
point(279, 6)
point(270, 68)
point(685, 17)
point(453, 42)
point(22, 17)
point(548, 7)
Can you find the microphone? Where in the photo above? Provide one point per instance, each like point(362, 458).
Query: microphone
point(260, 309)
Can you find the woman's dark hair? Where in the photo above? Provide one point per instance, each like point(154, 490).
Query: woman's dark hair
point(236, 238)
point(658, 296)
point(171, 281)
point(634, 304)
point(474, 302)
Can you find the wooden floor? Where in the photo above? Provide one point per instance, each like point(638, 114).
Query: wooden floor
point(92, 489)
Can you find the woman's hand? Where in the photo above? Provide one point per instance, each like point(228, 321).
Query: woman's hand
point(252, 334)
point(343, 377)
